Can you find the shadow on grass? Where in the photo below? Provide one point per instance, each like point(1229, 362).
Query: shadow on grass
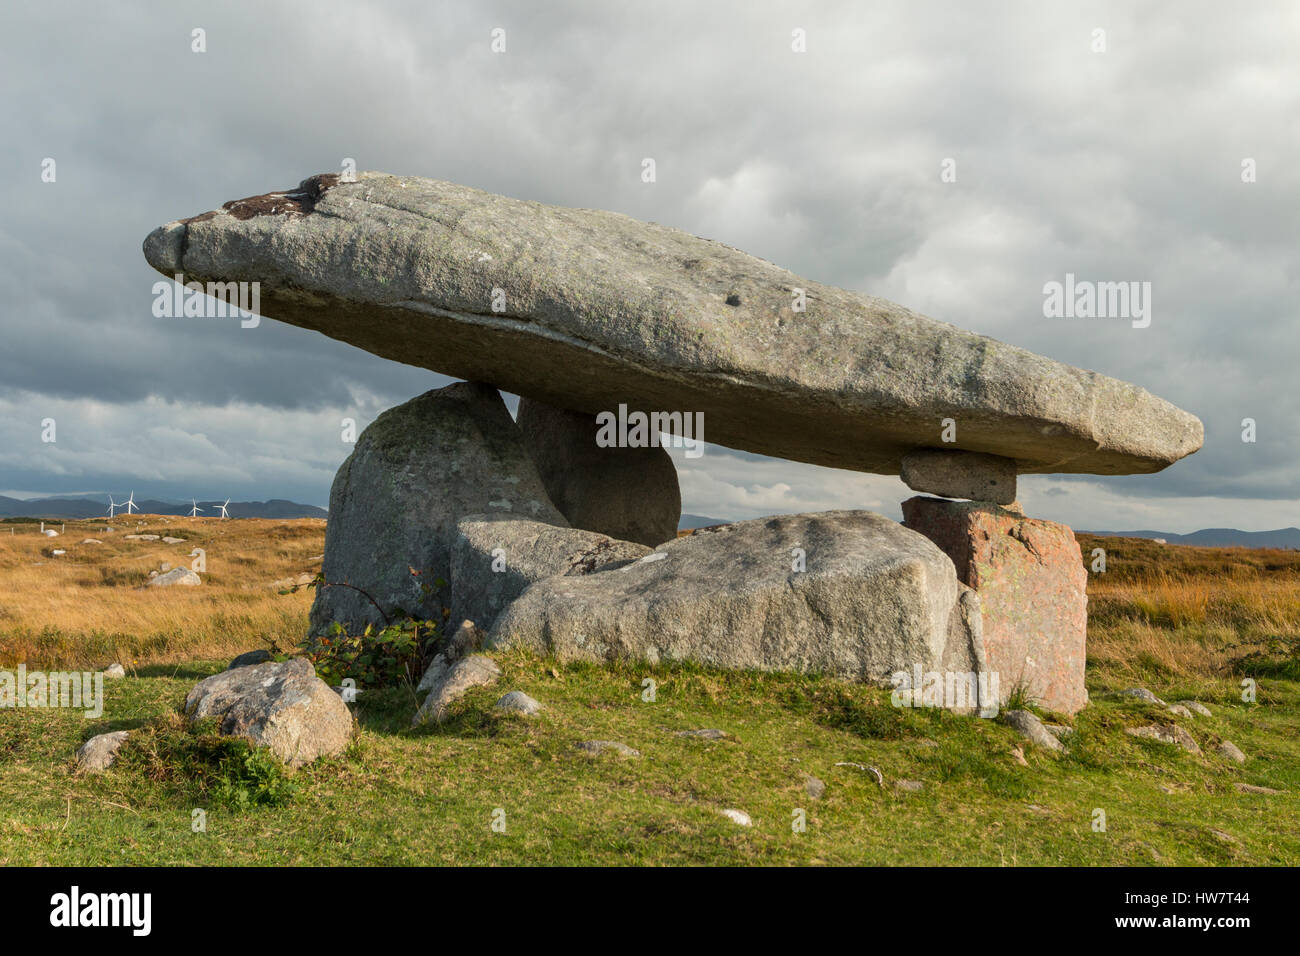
point(191, 670)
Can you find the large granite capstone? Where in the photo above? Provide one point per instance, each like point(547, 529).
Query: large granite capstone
point(584, 309)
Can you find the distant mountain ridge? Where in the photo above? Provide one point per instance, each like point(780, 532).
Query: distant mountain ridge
point(1283, 538)
point(691, 522)
point(94, 508)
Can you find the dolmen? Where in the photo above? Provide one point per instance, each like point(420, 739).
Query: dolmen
point(556, 531)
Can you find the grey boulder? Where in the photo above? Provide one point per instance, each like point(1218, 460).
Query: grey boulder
point(414, 472)
point(628, 493)
point(1032, 729)
point(453, 683)
point(517, 702)
point(176, 576)
point(496, 557)
point(99, 752)
point(1173, 735)
point(874, 599)
point(282, 706)
point(582, 309)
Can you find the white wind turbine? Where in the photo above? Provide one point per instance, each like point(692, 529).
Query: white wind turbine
point(112, 506)
point(194, 511)
point(130, 504)
point(223, 509)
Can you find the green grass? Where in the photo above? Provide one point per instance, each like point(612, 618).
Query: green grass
point(402, 796)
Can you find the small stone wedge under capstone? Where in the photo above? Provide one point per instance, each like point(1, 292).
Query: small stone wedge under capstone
point(960, 474)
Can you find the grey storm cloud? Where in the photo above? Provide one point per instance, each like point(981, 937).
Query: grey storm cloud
point(1115, 165)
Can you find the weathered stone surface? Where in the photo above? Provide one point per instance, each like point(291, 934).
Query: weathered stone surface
point(960, 474)
point(1031, 582)
point(176, 576)
point(1142, 694)
point(415, 471)
point(282, 706)
point(1230, 751)
point(704, 733)
point(114, 672)
point(99, 752)
point(495, 557)
point(597, 747)
point(466, 639)
point(738, 817)
point(1179, 710)
point(1196, 707)
point(1031, 728)
point(630, 494)
point(874, 599)
point(814, 787)
point(600, 308)
point(1166, 735)
point(517, 702)
point(1254, 788)
point(476, 670)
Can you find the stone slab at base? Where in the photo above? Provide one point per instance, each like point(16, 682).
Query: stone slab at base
point(1031, 582)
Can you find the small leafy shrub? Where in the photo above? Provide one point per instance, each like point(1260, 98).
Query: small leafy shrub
point(195, 760)
point(386, 658)
point(254, 777)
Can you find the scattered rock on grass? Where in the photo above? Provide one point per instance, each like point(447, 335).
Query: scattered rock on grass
point(1180, 711)
point(1059, 731)
point(1141, 693)
point(815, 788)
point(739, 817)
point(908, 786)
point(1031, 728)
point(170, 540)
point(517, 702)
point(282, 706)
point(182, 576)
point(1018, 755)
point(1195, 706)
point(706, 733)
point(99, 752)
point(452, 684)
point(1252, 788)
point(598, 747)
point(1226, 748)
point(875, 773)
point(114, 672)
point(1166, 735)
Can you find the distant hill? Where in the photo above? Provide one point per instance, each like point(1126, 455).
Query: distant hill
point(94, 508)
point(1283, 538)
point(691, 522)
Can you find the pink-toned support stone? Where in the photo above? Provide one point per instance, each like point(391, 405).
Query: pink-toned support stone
point(1032, 587)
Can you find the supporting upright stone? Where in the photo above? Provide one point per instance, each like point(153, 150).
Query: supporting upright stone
point(414, 472)
point(630, 494)
point(960, 474)
point(1031, 582)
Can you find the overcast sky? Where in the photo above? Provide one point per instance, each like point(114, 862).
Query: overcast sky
point(1119, 165)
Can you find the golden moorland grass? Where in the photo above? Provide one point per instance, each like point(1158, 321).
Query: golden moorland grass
point(1175, 611)
point(89, 607)
point(1157, 611)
